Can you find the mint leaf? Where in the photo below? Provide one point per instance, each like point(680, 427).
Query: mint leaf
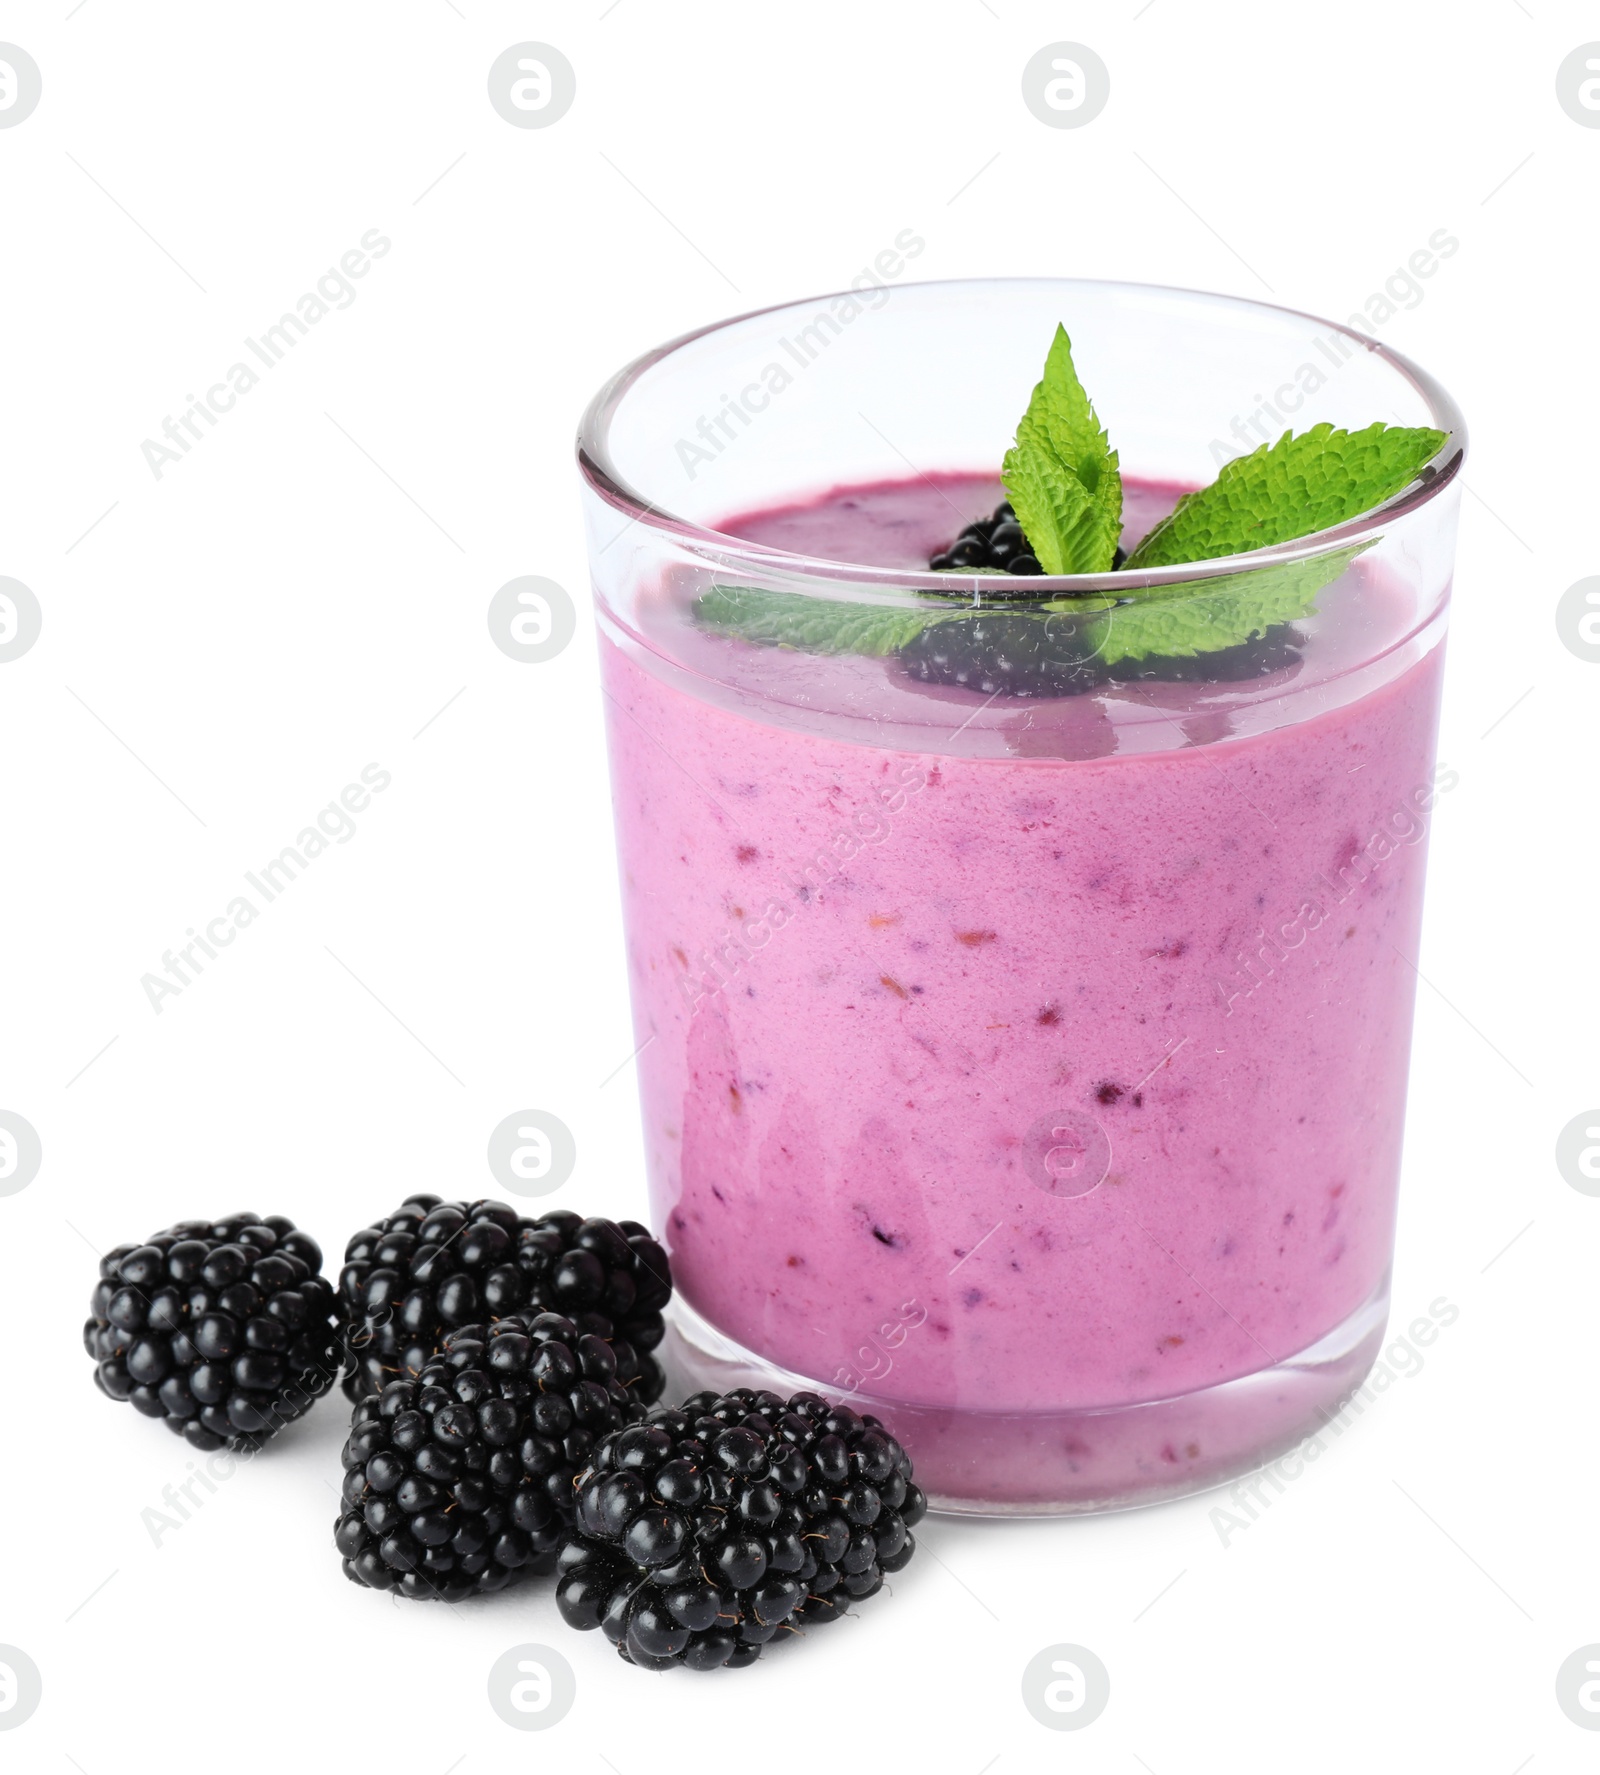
point(810, 625)
point(1202, 616)
point(1061, 474)
point(1054, 508)
point(1305, 482)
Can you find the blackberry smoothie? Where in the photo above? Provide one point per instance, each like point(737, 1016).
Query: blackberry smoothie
point(900, 1009)
point(1022, 899)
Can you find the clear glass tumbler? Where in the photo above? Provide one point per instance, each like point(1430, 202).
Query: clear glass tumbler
point(1027, 1071)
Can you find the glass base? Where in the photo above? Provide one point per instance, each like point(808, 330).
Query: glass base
point(1067, 1463)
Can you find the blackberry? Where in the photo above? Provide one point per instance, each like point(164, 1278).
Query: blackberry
point(1276, 649)
point(1013, 653)
point(1007, 654)
point(1024, 654)
point(707, 1529)
point(225, 1329)
point(995, 543)
point(433, 1266)
point(460, 1480)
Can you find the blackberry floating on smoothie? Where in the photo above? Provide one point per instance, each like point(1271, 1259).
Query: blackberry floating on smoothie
point(1022, 829)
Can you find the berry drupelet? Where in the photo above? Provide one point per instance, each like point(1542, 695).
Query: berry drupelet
point(459, 1481)
point(706, 1530)
point(433, 1266)
point(225, 1329)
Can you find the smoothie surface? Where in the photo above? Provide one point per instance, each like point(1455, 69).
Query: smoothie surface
point(902, 523)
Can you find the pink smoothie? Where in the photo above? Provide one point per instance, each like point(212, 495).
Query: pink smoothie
point(1064, 1075)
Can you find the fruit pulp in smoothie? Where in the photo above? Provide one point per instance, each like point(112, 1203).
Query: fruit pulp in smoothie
point(1034, 1085)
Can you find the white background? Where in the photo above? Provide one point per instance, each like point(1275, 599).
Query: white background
point(226, 647)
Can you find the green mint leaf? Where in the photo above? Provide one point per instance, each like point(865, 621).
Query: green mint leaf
point(1061, 474)
point(1305, 482)
point(809, 625)
point(1202, 616)
point(1055, 511)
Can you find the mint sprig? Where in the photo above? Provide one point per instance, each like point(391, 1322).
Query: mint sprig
point(1307, 481)
point(1061, 474)
point(1065, 486)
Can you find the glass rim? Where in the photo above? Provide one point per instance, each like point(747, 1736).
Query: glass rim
point(600, 472)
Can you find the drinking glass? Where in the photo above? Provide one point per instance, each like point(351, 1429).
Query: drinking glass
point(1027, 1072)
